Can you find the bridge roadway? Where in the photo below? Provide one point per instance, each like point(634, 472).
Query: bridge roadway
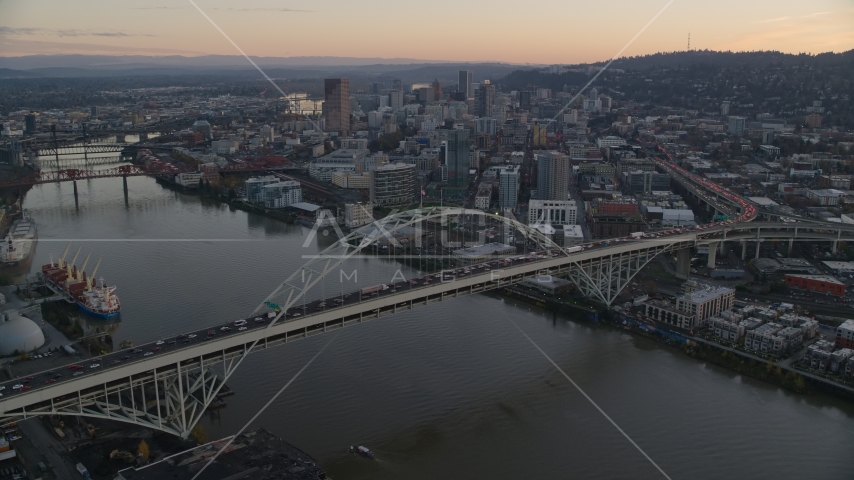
point(52, 390)
point(66, 391)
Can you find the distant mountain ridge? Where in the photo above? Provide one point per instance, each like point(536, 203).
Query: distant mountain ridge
point(123, 61)
point(721, 58)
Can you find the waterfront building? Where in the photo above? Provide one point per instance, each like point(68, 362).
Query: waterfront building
point(845, 335)
point(358, 214)
point(706, 302)
point(726, 330)
point(282, 194)
point(693, 308)
point(188, 179)
point(254, 188)
point(393, 184)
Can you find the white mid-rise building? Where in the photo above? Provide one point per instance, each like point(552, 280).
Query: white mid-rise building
point(282, 194)
point(188, 179)
point(482, 199)
point(255, 188)
point(611, 141)
point(552, 212)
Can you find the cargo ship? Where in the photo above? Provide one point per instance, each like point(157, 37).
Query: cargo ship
point(16, 250)
point(94, 298)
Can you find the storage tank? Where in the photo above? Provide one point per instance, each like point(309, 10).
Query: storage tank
point(18, 334)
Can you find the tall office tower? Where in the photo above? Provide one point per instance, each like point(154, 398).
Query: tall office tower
point(465, 83)
point(553, 171)
point(395, 99)
point(735, 125)
point(483, 99)
point(376, 87)
point(437, 90)
point(337, 105)
point(29, 123)
point(525, 99)
point(397, 85)
point(508, 188)
point(456, 156)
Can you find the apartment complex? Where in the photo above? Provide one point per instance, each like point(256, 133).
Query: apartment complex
point(393, 184)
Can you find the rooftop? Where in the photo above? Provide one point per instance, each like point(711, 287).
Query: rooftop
point(257, 454)
point(705, 294)
point(483, 250)
point(818, 278)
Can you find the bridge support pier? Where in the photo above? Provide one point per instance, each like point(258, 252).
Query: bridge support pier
point(76, 204)
point(713, 250)
point(791, 244)
point(683, 262)
point(125, 185)
point(758, 248)
point(834, 245)
point(744, 249)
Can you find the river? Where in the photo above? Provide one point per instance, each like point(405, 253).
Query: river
point(451, 390)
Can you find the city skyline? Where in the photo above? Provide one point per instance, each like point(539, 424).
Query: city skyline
point(334, 28)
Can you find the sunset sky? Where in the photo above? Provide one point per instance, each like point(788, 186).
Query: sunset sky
point(472, 30)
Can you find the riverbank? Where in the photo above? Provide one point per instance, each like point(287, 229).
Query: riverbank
point(739, 362)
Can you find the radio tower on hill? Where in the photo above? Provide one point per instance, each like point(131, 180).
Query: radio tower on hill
point(689, 41)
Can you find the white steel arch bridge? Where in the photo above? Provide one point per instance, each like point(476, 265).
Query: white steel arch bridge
point(170, 389)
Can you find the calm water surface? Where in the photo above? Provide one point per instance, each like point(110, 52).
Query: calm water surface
point(445, 391)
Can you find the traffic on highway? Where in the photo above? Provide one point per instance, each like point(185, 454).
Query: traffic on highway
point(184, 340)
point(96, 364)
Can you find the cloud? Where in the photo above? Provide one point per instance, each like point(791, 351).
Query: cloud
point(772, 20)
point(152, 7)
point(18, 31)
point(780, 19)
point(13, 48)
point(263, 9)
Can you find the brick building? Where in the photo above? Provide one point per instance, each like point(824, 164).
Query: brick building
point(816, 283)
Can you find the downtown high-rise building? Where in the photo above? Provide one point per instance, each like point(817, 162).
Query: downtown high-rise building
point(465, 83)
point(508, 188)
point(336, 105)
point(483, 99)
point(553, 172)
point(456, 156)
